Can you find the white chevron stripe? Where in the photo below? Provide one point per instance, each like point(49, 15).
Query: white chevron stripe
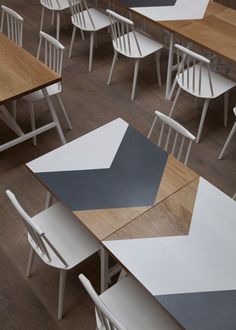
point(202, 261)
point(95, 150)
point(183, 9)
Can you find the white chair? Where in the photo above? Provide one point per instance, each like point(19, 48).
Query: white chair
point(231, 134)
point(58, 238)
point(128, 306)
point(87, 20)
point(14, 25)
point(178, 130)
point(132, 44)
point(53, 58)
point(195, 77)
point(14, 31)
point(55, 6)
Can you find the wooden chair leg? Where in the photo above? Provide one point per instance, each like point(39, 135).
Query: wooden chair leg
point(32, 120)
point(58, 97)
point(232, 132)
point(14, 109)
point(62, 283)
point(92, 35)
point(30, 261)
point(203, 117)
point(226, 108)
point(112, 67)
point(42, 18)
point(58, 26)
point(49, 200)
point(157, 59)
point(72, 40)
point(104, 270)
point(52, 18)
point(136, 68)
point(175, 101)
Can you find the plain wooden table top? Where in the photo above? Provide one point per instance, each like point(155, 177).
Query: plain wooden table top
point(20, 72)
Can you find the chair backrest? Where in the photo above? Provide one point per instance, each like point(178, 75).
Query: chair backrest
point(14, 25)
point(189, 60)
point(49, 3)
point(122, 29)
point(79, 9)
point(52, 52)
point(35, 231)
point(107, 319)
point(179, 132)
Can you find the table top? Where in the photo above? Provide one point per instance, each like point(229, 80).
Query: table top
point(183, 252)
point(20, 72)
point(210, 25)
point(110, 176)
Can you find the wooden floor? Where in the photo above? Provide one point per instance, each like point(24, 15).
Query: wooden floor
point(32, 303)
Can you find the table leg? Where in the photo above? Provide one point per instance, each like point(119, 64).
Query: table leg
point(54, 116)
point(6, 117)
point(169, 67)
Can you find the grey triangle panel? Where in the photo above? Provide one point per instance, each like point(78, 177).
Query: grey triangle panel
point(148, 3)
point(132, 180)
point(212, 310)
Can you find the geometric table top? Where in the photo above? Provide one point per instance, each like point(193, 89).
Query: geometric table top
point(110, 176)
point(183, 251)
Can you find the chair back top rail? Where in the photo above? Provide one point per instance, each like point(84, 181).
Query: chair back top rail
point(14, 25)
point(179, 132)
point(52, 52)
point(107, 319)
point(190, 65)
point(35, 231)
point(122, 28)
point(79, 9)
point(49, 3)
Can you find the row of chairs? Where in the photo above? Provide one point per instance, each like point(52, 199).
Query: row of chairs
point(193, 76)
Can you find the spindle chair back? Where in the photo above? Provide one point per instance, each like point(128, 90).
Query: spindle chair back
point(34, 230)
point(14, 25)
point(122, 30)
point(183, 139)
point(107, 319)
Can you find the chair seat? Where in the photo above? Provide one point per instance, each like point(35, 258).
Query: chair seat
point(100, 20)
point(56, 4)
point(135, 308)
point(219, 82)
point(38, 95)
point(67, 234)
point(147, 46)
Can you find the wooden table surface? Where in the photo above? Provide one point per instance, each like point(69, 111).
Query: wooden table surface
point(104, 222)
point(20, 72)
point(215, 32)
point(182, 251)
point(110, 176)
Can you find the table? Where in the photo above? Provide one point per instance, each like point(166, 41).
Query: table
point(20, 74)
point(209, 25)
point(183, 251)
point(172, 230)
point(110, 176)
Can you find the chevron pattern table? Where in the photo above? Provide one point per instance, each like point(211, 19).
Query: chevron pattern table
point(183, 252)
point(110, 176)
point(171, 229)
